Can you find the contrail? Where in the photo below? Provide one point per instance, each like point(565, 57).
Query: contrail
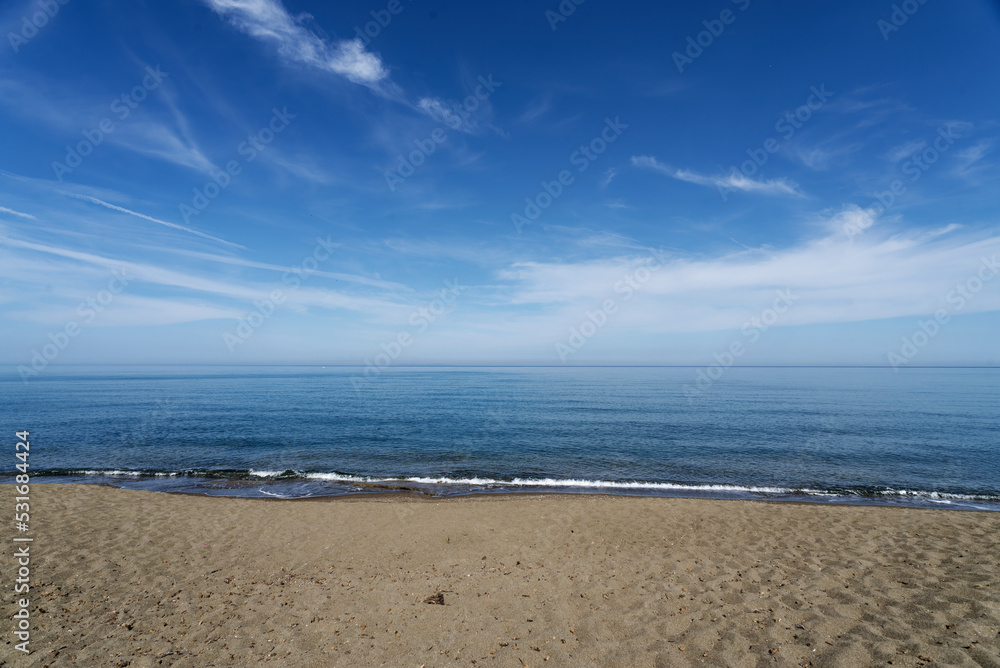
point(94, 200)
point(16, 213)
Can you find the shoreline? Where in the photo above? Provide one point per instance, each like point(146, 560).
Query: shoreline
point(217, 487)
point(135, 578)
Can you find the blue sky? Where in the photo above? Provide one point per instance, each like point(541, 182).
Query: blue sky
point(254, 181)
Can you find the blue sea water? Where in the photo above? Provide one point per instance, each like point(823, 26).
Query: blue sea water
point(918, 437)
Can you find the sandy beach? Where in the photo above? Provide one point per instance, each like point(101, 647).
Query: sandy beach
point(126, 578)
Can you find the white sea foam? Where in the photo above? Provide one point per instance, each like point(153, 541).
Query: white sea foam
point(277, 496)
point(545, 482)
point(925, 495)
point(612, 484)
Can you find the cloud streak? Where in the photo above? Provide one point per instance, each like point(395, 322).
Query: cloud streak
point(4, 209)
point(269, 21)
point(94, 200)
point(244, 293)
point(733, 181)
point(337, 276)
point(837, 280)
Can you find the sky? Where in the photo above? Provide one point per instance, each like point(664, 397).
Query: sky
point(409, 182)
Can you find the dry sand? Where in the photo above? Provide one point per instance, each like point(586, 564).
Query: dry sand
point(124, 578)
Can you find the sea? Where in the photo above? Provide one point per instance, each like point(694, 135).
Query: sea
point(919, 437)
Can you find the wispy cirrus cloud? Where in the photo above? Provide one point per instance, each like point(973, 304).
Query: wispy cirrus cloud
point(608, 177)
point(439, 111)
point(157, 140)
point(269, 21)
point(174, 142)
point(65, 108)
point(131, 311)
point(822, 157)
point(904, 150)
point(536, 109)
point(835, 279)
point(732, 181)
point(971, 161)
point(240, 262)
point(226, 294)
point(113, 207)
point(468, 121)
point(4, 209)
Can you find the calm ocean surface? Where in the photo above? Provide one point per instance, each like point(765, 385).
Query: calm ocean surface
point(923, 437)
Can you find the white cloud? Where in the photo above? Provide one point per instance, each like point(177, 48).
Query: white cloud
point(971, 159)
point(536, 109)
point(94, 200)
point(732, 181)
point(851, 221)
point(240, 262)
point(269, 21)
point(821, 157)
point(457, 118)
point(608, 177)
point(66, 109)
point(244, 293)
point(157, 140)
point(132, 311)
point(835, 280)
point(904, 150)
point(437, 110)
point(4, 209)
point(649, 162)
point(531, 305)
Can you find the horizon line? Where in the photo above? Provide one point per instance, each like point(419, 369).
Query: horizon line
point(540, 366)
